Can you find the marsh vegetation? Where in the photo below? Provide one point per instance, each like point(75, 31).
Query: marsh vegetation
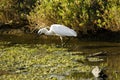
point(29, 60)
point(26, 56)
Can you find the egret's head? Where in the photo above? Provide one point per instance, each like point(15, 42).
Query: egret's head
point(42, 31)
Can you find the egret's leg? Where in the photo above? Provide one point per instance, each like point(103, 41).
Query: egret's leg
point(59, 46)
point(61, 41)
point(66, 41)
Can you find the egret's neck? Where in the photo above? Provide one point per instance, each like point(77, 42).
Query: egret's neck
point(48, 32)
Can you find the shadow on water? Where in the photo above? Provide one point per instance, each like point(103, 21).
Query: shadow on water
point(29, 39)
point(94, 47)
point(86, 47)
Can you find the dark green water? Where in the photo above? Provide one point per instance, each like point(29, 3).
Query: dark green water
point(111, 61)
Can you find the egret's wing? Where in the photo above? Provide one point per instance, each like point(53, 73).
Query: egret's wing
point(62, 30)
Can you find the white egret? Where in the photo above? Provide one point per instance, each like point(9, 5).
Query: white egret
point(59, 30)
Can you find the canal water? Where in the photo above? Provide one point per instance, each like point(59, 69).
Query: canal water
point(107, 53)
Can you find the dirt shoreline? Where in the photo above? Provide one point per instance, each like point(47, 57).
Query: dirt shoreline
point(100, 35)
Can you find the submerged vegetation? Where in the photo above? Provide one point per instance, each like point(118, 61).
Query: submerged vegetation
point(40, 62)
point(45, 62)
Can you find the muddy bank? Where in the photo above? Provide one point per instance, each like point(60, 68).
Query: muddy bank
point(99, 35)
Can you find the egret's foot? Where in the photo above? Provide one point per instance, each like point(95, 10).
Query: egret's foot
point(58, 46)
point(64, 45)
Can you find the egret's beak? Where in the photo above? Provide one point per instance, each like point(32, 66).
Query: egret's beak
point(39, 32)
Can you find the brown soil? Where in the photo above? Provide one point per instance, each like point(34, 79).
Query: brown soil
point(100, 35)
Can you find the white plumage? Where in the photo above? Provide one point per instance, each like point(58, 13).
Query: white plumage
point(62, 30)
point(59, 30)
